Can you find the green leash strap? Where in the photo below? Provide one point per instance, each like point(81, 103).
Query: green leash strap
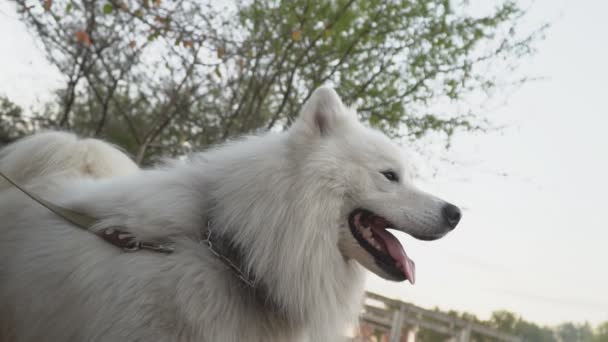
point(78, 219)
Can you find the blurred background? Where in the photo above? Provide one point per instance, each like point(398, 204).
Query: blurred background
point(500, 103)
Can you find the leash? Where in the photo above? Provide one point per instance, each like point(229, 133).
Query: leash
point(121, 238)
point(113, 235)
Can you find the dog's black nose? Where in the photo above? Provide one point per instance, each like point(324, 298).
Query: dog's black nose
point(452, 215)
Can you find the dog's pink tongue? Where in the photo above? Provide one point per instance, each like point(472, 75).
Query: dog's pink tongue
point(397, 252)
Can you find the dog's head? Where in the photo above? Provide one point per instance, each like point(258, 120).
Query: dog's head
point(369, 175)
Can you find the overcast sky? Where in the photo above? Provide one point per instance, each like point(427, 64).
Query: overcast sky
point(534, 234)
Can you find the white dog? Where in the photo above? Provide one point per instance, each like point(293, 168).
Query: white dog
point(290, 218)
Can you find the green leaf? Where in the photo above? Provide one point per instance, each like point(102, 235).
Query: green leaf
point(107, 8)
point(68, 7)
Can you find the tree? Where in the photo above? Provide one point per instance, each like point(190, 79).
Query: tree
point(601, 333)
point(160, 76)
point(513, 324)
point(12, 122)
point(575, 332)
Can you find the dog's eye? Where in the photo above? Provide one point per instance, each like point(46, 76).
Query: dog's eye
point(390, 175)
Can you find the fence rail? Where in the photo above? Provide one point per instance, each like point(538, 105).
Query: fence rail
point(401, 321)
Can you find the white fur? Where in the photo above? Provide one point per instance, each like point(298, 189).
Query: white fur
point(281, 198)
point(61, 155)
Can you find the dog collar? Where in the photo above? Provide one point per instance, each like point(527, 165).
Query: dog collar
point(230, 257)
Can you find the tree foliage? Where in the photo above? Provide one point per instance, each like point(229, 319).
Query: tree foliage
point(161, 76)
point(601, 333)
point(511, 323)
point(13, 124)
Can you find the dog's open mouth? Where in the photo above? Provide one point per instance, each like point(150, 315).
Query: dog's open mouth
point(370, 231)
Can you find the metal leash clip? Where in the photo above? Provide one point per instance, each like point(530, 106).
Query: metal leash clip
point(156, 247)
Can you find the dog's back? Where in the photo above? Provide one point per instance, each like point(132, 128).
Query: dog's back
point(59, 154)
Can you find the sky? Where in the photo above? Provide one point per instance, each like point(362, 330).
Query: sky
point(533, 238)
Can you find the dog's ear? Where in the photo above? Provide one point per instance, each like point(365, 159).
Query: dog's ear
point(323, 113)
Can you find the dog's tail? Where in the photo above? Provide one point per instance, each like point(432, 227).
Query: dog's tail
point(62, 154)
